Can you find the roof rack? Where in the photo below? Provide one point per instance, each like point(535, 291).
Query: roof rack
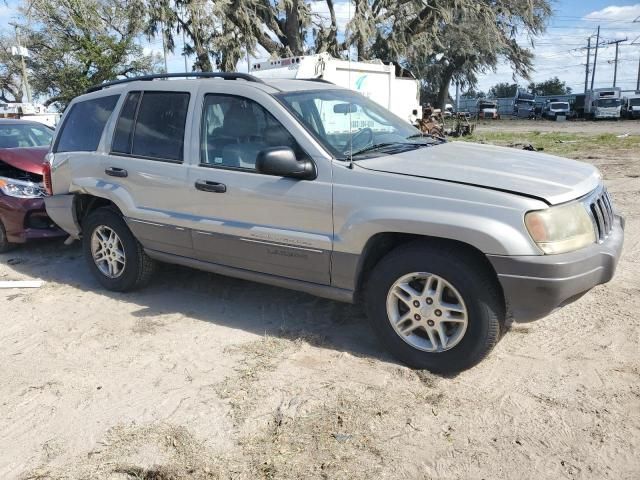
point(321, 80)
point(156, 76)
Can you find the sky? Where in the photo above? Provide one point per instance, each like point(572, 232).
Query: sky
point(560, 51)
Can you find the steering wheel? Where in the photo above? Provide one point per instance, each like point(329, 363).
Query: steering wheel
point(356, 143)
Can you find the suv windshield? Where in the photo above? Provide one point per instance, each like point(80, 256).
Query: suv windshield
point(347, 123)
point(15, 135)
point(634, 102)
point(560, 106)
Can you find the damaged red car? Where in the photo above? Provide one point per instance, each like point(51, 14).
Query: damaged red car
point(23, 147)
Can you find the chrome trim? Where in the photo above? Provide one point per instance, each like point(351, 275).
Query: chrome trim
point(148, 223)
point(280, 245)
point(601, 211)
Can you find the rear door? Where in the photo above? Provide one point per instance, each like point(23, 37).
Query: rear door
point(244, 219)
point(145, 167)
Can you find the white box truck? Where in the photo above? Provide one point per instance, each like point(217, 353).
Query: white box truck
point(388, 85)
point(601, 103)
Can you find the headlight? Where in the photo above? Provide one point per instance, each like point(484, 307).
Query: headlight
point(561, 229)
point(20, 188)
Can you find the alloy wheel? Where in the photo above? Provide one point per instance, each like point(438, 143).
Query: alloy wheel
point(427, 312)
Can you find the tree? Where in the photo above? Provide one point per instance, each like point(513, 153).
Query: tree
point(471, 92)
point(553, 86)
point(458, 40)
point(503, 89)
point(10, 76)
point(75, 44)
point(220, 32)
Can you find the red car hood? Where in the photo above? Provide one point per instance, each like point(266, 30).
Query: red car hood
point(29, 159)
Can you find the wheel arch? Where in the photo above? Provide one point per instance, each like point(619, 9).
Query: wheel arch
point(380, 244)
point(85, 203)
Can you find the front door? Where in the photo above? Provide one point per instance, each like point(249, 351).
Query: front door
point(244, 219)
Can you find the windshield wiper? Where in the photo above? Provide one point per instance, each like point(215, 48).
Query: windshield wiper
point(378, 146)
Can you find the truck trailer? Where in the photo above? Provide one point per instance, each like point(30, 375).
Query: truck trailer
point(391, 86)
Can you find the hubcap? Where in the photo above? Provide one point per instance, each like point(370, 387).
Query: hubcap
point(108, 252)
point(427, 312)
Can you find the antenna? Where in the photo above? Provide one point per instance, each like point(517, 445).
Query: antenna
point(349, 79)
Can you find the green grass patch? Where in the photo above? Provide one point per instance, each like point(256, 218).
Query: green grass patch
point(566, 144)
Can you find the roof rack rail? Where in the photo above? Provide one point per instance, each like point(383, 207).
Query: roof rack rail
point(156, 76)
point(321, 80)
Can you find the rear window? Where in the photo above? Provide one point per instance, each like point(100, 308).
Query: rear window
point(83, 125)
point(152, 125)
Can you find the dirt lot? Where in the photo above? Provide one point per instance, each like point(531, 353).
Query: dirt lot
point(200, 376)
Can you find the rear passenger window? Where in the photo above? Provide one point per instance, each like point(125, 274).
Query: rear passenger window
point(123, 136)
point(152, 125)
point(83, 125)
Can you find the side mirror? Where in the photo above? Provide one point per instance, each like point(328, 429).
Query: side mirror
point(282, 162)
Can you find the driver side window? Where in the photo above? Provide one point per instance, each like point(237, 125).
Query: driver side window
point(235, 129)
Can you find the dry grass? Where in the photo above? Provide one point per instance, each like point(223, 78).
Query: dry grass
point(254, 360)
point(151, 452)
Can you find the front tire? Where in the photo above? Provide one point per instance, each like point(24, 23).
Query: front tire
point(113, 254)
point(5, 245)
point(435, 307)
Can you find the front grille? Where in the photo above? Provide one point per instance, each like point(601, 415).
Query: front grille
point(602, 212)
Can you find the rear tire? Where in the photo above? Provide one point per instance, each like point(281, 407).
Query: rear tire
point(464, 277)
point(113, 254)
point(5, 245)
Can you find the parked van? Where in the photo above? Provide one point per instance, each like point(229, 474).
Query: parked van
point(631, 106)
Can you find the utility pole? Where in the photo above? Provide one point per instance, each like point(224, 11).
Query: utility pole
point(164, 42)
point(615, 62)
point(595, 58)
point(23, 66)
point(186, 69)
point(586, 73)
point(638, 81)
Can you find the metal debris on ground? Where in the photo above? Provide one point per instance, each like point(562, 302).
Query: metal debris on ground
point(21, 283)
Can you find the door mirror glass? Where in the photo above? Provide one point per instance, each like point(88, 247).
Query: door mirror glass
point(345, 108)
point(282, 162)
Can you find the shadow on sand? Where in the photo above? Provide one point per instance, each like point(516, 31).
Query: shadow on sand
point(253, 307)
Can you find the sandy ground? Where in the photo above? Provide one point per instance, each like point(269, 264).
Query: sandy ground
point(200, 376)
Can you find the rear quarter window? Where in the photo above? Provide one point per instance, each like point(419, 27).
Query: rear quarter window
point(83, 125)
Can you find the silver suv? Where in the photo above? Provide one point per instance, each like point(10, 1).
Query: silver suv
point(308, 186)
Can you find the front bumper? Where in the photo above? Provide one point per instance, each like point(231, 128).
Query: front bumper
point(534, 286)
point(26, 219)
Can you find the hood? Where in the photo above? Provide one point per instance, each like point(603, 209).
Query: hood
point(533, 174)
point(29, 159)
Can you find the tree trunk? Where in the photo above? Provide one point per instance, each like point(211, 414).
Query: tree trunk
point(443, 92)
point(292, 29)
point(332, 38)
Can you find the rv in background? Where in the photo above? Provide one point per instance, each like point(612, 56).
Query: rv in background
point(631, 105)
point(388, 85)
point(524, 104)
point(601, 103)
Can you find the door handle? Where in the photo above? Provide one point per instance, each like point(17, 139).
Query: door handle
point(116, 172)
point(207, 186)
